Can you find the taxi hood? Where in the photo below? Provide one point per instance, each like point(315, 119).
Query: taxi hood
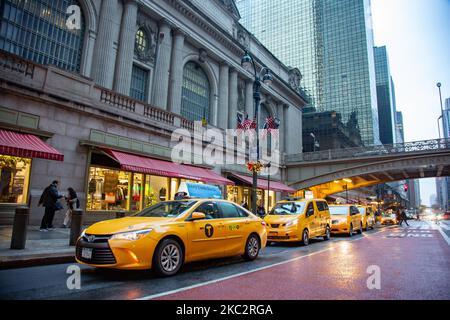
point(126, 224)
point(280, 219)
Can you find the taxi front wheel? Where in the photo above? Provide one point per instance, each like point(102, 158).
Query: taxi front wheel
point(305, 237)
point(252, 247)
point(168, 258)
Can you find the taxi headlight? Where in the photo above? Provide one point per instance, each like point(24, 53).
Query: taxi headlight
point(133, 235)
point(292, 223)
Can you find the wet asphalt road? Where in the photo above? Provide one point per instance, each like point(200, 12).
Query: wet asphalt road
point(324, 270)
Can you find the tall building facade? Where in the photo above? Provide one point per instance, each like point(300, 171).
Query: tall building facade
point(103, 97)
point(399, 131)
point(385, 96)
point(443, 183)
point(331, 42)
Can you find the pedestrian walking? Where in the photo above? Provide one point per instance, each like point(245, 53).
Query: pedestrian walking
point(403, 217)
point(49, 199)
point(72, 203)
point(260, 211)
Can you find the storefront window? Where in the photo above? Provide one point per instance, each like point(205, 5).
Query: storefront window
point(155, 190)
point(108, 190)
point(15, 178)
point(136, 192)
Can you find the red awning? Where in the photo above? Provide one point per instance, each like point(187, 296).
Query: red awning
point(27, 146)
point(263, 183)
point(135, 163)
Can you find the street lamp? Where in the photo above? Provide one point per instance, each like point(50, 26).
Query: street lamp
point(268, 165)
point(248, 63)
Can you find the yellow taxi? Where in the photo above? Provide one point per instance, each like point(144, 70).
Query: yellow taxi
point(168, 234)
point(367, 217)
point(388, 218)
point(298, 220)
point(346, 219)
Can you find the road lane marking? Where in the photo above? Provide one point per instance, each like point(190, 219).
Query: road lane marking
point(439, 228)
point(161, 294)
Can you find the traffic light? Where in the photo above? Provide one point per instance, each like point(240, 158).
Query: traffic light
point(405, 187)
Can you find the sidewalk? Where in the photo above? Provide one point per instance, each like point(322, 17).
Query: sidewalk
point(41, 248)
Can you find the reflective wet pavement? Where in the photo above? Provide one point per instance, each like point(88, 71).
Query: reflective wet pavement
point(414, 263)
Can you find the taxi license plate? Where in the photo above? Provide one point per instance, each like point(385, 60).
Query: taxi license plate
point(273, 233)
point(86, 253)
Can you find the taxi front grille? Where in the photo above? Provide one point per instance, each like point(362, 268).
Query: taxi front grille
point(101, 252)
point(99, 256)
point(278, 237)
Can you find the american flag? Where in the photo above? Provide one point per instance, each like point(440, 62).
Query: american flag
point(245, 125)
point(271, 125)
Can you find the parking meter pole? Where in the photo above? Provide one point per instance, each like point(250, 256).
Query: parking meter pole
point(76, 226)
point(19, 233)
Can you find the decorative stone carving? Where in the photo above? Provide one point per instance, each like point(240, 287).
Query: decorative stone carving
point(202, 55)
point(241, 36)
point(149, 53)
point(295, 77)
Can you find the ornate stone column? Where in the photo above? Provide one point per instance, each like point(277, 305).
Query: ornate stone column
point(103, 62)
point(249, 101)
point(124, 64)
point(162, 68)
point(233, 99)
point(222, 119)
point(176, 71)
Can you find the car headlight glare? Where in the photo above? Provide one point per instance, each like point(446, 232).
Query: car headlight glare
point(292, 223)
point(132, 236)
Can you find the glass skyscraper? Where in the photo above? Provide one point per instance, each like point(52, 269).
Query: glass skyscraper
point(331, 42)
point(385, 96)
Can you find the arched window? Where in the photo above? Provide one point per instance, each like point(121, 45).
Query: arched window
point(195, 93)
point(141, 41)
point(37, 30)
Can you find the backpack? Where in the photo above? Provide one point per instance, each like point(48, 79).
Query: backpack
point(44, 195)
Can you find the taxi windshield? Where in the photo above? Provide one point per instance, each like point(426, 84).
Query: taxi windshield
point(166, 209)
point(288, 208)
point(336, 210)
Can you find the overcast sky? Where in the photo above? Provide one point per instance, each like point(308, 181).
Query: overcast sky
point(417, 36)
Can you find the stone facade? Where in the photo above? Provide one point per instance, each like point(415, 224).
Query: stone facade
point(72, 106)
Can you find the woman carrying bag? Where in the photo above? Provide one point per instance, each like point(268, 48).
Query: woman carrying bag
point(72, 203)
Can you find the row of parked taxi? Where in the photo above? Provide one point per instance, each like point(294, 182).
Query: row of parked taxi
point(301, 220)
point(166, 235)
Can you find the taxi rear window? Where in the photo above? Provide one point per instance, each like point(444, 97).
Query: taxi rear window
point(166, 209)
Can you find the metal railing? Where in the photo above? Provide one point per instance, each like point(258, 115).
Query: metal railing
point(371, 151)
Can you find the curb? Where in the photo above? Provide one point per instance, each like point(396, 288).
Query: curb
point(37, 260)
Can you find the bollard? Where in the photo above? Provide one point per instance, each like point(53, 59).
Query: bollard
point(120, 214)
point(76, 226)
point(19, 233)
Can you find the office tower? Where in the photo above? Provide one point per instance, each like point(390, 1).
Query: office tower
point(385, 96)
point(399, 131)
point(331, 42)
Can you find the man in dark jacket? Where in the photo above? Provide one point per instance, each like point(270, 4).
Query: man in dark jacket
point(403, 217)
point(49, 199)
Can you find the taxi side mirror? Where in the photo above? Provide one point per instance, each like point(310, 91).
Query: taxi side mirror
point(198, 216)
